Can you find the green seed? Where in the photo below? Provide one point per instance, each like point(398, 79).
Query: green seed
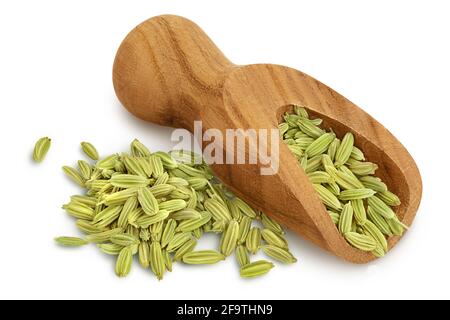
point(41, 148)
point(313, 164)
point(167, 260)
point(244, 229)
point(133, 166)
point(373, 183)
point(162, 179)
point(363, 168)
point(103, 236)
point(173, 205)
point(203, 257)
point(332, 149)
point(359, 211)
point(319, 177)
point(192, 224)
point(79, 210)
point(124, 240)
point(389, 198)
point(74, 175)
point(167, 160)
point(178, 240)
point(197, 183)
point(333, 187)
point(346, 181)
point(378, 252)
point(218, 210)
point(129, 181)
point(380, 207)
point(245, 208)
point(229, 238)
point(187, 247)
point(301, 111)
point(71, 241)
point(119, 197)
point(146, 220)
point(144, 163)
point(360, 241)
point(157, 166)
point(279, 254)
point(186, 214)
point(86, 200)
point(320, 145)
point(372, 230)
point(327, 197)
point(256, 269)
point(138, 149)
point(271, 224)
point(345, 150)
point(309, 128)
point(156, 260)
point(85, 169)
point(148, 201)
point(162, 190)
point(396, 226)
point(283, 127)
point(357, 154)
point(303, 142)
point(107, 216)
point(89, 150)
point(144, 254)
point(107, 163)
point(88, 227)
point(124, 261)
point(130, 205)
point(379, 221)
point(242, 255)
point(273, 238)
point(253, 240)
point(355, 194)
point(168, 233)
point(346, 218)
point(110, 248)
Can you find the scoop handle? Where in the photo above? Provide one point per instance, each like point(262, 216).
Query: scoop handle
point(167, 69)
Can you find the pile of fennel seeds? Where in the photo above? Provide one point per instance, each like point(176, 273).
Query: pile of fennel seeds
point(358, 202)
point(157, 205)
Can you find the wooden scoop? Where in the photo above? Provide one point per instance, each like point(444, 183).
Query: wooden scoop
point(167, 71)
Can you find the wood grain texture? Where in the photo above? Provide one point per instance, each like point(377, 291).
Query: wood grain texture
point(169, 72)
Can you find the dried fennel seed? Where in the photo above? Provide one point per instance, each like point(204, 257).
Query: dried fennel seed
point(153, 206)
point(71, 241)
point(41, 148)
point(358, 202)
point(89, 150)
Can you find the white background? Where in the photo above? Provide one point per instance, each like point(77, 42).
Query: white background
point(389, 57)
